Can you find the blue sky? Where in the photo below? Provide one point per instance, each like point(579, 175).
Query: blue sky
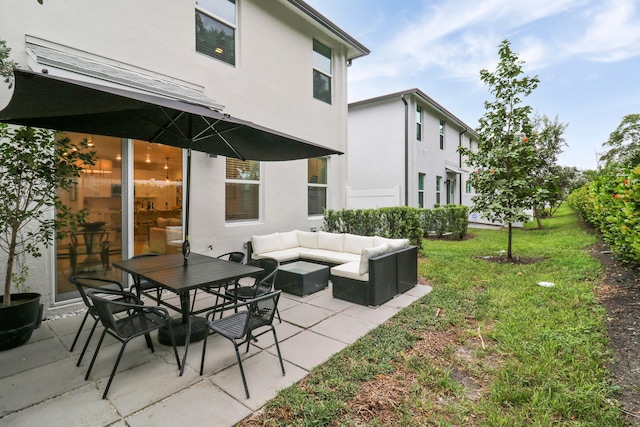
point(586, 54)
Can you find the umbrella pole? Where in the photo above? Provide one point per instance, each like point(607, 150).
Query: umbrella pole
point(186, 246)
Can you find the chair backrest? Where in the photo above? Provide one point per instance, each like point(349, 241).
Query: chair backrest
point(104, 309)
point(267, 278)
point(85, 284)
point(233, 257)
point(261, 311)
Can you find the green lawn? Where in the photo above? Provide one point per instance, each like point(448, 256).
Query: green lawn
point(488, 346)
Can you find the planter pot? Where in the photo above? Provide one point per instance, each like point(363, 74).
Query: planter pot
point(18, 320)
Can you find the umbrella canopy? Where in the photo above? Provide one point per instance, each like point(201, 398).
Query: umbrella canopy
point(52, 102)
point(40, 100)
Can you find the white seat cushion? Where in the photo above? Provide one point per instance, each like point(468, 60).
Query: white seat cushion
point(266, 243)
point(282, 256)
point(307, 239)
point(350, 270)
point(354, 243)
point(289, 240)
point(331, 241)
point(371, 253)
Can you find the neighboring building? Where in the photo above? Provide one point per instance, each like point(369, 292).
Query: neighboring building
point(278, 63)
point(403, 152)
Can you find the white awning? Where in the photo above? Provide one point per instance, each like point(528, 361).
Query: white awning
point(454, 169)
point(69, 65)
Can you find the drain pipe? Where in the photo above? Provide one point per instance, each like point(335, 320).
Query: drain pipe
point(406, 151)
point(460, 161)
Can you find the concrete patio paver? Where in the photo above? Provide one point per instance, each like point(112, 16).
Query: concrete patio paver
point(343, 328)
point(80, 407)
point(309, 349)
point(264, 379)
point(40, 384)
point(203, 404)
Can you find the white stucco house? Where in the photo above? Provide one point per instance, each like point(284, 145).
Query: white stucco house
point(277, 63)
point(403, 152)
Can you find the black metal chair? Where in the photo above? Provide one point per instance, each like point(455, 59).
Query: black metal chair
point(239, 327)
point(264, 282)
point(85, 284)
point(140, 320)
point(140, 286)
point(219, 291)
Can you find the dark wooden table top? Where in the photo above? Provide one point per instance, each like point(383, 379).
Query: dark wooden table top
point(168, 271)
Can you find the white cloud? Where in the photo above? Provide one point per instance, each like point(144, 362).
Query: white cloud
point(613, 33)
point(461, 37)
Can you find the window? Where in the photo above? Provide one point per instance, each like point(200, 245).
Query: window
point(421, 190)
point(438, 185)
point(441, 134)
point(242, 190)
point(216, 29)
point(419, 123)
point(468, 188)
point(317, 181)
point(321, 72)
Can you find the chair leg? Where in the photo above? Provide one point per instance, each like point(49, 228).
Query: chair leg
point(75, 340)
point(193, 300)
point(95, 354)
point(86, 344)
point(275, 338)
point(244, 380)
point(173, 344)
point(204, 349)
point(147, 338)
point(115, 368)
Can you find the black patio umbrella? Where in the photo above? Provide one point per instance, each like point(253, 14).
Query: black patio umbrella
point(41, 100)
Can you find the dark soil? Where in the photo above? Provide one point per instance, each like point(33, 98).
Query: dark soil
point(619, 293)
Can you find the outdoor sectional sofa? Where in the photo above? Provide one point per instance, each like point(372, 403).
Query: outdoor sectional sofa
point(367, 270)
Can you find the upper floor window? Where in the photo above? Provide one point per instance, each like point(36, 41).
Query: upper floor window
point(242, 190)
point(317, 185)
point(442, 134)
point(419, 123)
point(321, 72)
point(216, 29)
point(421, 190)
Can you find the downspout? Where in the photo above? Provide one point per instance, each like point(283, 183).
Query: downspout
point(460, 162)
point(406, 151)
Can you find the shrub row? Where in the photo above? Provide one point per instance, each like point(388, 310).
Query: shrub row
point(400, 222)
point(611, 204)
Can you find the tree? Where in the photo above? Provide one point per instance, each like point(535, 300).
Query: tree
point(545, 172)
point(502, 164)
point(624, 143)
point(34, 165)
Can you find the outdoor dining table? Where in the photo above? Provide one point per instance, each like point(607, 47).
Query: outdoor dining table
point(169, 272)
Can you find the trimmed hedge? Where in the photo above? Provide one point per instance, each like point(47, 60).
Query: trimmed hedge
point(400, 222)
point(611, 204)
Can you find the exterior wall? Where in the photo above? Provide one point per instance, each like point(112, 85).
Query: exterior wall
point(376, 150)
point(271, 85)
point(376, 146)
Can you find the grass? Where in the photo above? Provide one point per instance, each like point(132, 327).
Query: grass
point(488, 346)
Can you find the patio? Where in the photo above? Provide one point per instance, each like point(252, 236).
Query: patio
point(40, 384)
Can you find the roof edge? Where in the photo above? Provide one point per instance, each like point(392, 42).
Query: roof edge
point(329, 25)
point(421, 94)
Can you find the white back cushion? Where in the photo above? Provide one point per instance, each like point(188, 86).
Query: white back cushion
point(289, 240)
point(331, 241)
point(307, 239)
point(266, 243)
point(354, 243)
point(371, 253)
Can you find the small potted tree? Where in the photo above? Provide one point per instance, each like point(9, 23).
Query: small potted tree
point(35, 165)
